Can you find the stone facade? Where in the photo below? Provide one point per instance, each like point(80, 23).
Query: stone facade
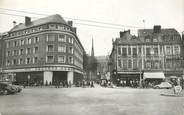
point(46, 49)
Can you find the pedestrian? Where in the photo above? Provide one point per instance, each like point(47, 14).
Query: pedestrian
point(70, 84)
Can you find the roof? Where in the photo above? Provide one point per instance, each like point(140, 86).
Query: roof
point(168, 31)
point(53, 18)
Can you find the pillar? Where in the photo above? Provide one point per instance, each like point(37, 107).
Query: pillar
point(47, 76)
point(70, 76)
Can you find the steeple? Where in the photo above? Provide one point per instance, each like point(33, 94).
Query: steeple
point(92, 50)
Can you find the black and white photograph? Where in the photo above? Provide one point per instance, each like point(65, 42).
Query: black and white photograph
point(91, 57)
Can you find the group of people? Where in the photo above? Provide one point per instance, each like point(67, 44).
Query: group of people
point(85, 83)
point(129, 83)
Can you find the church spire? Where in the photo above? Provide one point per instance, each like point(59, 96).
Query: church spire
point(92, 50)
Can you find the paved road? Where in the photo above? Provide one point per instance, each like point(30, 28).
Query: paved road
point(91, 101)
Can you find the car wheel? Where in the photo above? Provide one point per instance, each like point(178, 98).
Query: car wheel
point(5, 92)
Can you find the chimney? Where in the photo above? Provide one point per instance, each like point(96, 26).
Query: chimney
point(14, 23)
point(157, 29)
point(70, 23)
point(75, 30)
point(124, 33)
point(27, 21)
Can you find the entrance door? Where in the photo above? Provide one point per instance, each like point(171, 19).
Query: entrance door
point(59, 76)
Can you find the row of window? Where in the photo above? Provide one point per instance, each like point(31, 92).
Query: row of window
point(35, 60)
point(40, 28)
point(49, 48)
point(49, 37)
point(135, 64)
point(22, 52)
point(165, 38)
point(169, 50)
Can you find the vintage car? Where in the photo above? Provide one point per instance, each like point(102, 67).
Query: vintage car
point(163, 85)
point(6, 88)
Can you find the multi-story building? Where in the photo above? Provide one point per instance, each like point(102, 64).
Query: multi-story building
point(154, 53)
point(44, 50)
point(102, 67)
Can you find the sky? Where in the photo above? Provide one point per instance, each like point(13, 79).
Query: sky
point(167, 13)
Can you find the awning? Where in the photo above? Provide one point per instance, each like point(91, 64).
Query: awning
point(153, 75)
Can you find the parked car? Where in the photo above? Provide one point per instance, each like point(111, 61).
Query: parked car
point(6, 88)
point(163, 85)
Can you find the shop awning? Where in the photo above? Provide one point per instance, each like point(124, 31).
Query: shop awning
point(153, 75)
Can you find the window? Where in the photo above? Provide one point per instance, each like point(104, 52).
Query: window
point(62, 38)
point(134, 64)
point(50, 48)
point(21, 42)
point(8, 62)
point(15, 52)
point(14, 61)
point(61, 48)
point(155, 40)
point(28, 60)
point(61, 59)
point(147, 40)
point(15, 43)
point(176, 50)
point(35, 60)
point(124, 53)
point(50, 59)
point(35, 50)
point(8, 53)
point(119, 51)
point(140, 50)
point(70, 40)
point(29, 41)
point(119, 63)
point(36, 40)
point(148, 51)
point(168, 50)
point(134, 52)
point(70, 60)
point(148, 65)
point(28, 51)
point(155, 51)
point(21, 51)
point(70, 50)
point(50, 37)
point(129, 63)
point(8, 44)
point(129, 51)
point(20, 61)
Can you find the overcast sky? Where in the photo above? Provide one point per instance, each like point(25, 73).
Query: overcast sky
point(167, 13)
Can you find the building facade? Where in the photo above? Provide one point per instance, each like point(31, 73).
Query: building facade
point(44, 50)
point(102, 67)
point(153, 50)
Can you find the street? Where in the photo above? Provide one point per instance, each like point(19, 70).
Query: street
point(90, 101)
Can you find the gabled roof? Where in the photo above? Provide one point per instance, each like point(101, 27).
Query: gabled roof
point(53, 18)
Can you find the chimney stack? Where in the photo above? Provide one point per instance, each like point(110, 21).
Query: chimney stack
point(14, 23)
point(27, 21)
point(157, 29)
point(75, 30)
point(70, 23)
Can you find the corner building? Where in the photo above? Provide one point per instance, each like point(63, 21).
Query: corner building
point(153, 54)
point(44, 50)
